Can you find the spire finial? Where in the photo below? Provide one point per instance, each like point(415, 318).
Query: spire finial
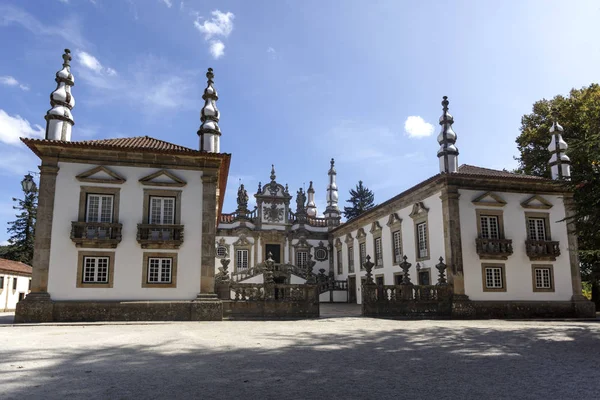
point(273, 172)
point(209, 131)
point(67, 58)
point(447, 153)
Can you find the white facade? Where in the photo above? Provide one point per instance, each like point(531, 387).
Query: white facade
point(518, 266)
point(128, 258)
point(13, 288)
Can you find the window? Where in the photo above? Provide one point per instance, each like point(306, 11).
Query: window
point(536, 228)
point(99, 208)
point(29, 288)
point(301, 258)
point(397, 242)
point(95, 269)
point(362, 248)
point(159, 270)
point(350, 259)
point(15, 283)
point(340, 268)
point(494, 278)
point(241, 260)
point(378, 253)
point(489, 227)
point(1, 282)
point(543, 278)
point(424, 278)
point(422, 247)
point(221, 251)
point(162, 210)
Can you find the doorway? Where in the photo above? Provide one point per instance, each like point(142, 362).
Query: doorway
point(275, 250)
point(352, 289)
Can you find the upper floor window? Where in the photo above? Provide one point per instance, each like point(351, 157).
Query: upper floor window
point(378, 253)
point(241, 259)
point(536, 228)
point(301, 258)
point(340, 268)
point(422, 247)
point(162, 210)
point(99, 208)
point(489, 227)
point(350, 259)
point(1, 282)
point(363, 255)
point(397, 242)
point(15, 283)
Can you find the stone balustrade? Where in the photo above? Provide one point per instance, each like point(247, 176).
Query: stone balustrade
point(542, 250)
point(96, 234)
point(494, 248)
point(152, 236)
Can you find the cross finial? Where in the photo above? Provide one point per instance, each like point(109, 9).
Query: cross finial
point(445, 103)
point(273, 172)
point(210, 75)
point(67, 58)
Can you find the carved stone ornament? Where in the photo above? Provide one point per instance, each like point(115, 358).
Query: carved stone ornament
point(418, 210)
point(242, 198)
point(242, 241)
point(273, 213)
point(361, 233)
point(321, 252)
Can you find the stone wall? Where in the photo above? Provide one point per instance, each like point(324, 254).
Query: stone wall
point(269, 310)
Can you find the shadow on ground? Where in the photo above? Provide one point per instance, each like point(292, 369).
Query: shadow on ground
point(403, 360)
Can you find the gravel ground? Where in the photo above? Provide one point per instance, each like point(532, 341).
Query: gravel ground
point(328, 358)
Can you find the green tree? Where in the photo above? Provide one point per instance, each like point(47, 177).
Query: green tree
point(361, 198)
point(579, 114)
point(20, 243)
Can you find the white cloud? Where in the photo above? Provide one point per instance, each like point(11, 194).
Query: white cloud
point(89, 61)
point(11, 81)
point(168, 3)
point(271, 50)
point(64, 1)
point(219, 26)
point(217, 49)
point(12, 128)
point(416, 127)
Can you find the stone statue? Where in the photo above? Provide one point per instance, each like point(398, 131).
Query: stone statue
point(242, 198)
point(300, 200)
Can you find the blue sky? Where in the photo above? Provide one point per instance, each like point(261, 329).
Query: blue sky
point(299, 81)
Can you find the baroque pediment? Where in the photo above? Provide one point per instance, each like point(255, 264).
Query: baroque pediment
point(418, 210)
point(100, 174)
point(394, 219)
point(162, 178)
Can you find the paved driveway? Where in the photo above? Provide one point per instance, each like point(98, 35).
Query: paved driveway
point(341, 358)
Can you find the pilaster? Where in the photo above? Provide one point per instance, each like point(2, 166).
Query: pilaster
point(452, 237)
point(209, 230)
point(573, 247)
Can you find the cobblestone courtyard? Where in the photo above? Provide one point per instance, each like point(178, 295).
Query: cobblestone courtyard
point(343, 358)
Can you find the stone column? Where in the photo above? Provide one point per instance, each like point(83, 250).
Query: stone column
point(461, 307)
point(583, 307)
point(207, 306)
point(37, 306)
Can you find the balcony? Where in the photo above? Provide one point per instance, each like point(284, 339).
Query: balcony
point(542, 250)
point(494, 249)
point(96, 234)
point(151, 236)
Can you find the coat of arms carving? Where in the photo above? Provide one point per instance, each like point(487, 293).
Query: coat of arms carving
point(273, 213)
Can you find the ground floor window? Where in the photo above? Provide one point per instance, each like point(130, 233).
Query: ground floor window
point(494, 278)
point(241, 259)
point(159, 270)
point(424, 278)
point(301, 258)
point(543, 278)
point(95, 269)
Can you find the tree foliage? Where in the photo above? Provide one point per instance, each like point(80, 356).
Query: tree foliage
point(361, 198)
point(579, 114)
point(20, 243)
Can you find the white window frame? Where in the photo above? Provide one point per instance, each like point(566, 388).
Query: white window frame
point(362, 254)
point(546, 281)
point(493, 275)
point(340, 265)
point(103, 199)
point(378, 251)
point(422, 238)
point(301, 258)
point(533, 226)
point(163, 264)
point(397, 241)
point(242, 256)
point(95, 272)
point(161, 219)
point(488, 230)
point(350, 259)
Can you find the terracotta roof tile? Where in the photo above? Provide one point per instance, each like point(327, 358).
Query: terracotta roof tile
point(14, 266)
point(138, 142)
point(494, 173)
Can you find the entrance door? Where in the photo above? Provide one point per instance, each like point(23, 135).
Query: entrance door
point(352, 289)
point(274, 249)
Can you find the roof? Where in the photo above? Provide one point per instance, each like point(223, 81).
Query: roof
point(466, 169)
point(14, 266)
point(143, 143)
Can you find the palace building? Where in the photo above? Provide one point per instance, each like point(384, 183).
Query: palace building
point(133, 229)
